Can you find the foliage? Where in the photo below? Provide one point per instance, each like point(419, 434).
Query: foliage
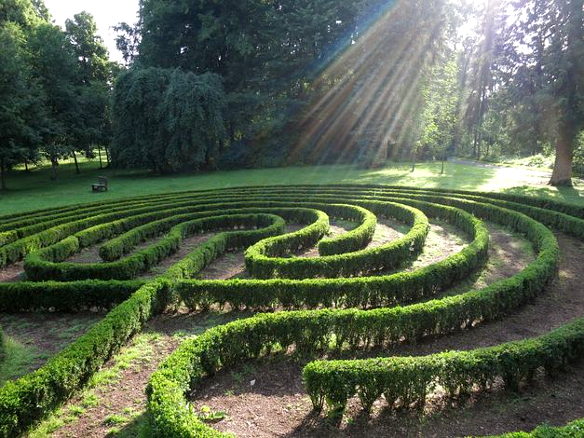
point(56, 86)
point(440, 116)
point(19, 92)
point(61, 230)
point(167, 120)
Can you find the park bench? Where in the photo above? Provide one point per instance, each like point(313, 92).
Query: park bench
point(100, 185)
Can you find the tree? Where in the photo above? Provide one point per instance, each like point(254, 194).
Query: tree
point(266, 53)
point(482, 83)
point(21, 117)
point(13, 92)
point(440, 115)
point(547, 44)
point(92, 56)
point(94, 80)
point(167, 120)
point(53, 63)
point(24, 13)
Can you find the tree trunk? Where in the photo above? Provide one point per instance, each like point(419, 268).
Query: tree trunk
point(107, 156)
point(570, 124)
point(99, 153)
point(54, 164)
point(562, 174)
point(2, 176)
point(380, 157)
point(25, 165)
point(76, 163)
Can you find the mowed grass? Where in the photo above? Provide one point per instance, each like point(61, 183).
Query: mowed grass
point(34, 190)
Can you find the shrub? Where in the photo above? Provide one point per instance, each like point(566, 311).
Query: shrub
point(363, 316)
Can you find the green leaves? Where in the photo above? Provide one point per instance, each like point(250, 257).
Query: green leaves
point(167, 120)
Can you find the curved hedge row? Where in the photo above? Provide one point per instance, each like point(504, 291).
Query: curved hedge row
point(358, 304)
point(573, 430)
point(341, 257)
point(46, 264)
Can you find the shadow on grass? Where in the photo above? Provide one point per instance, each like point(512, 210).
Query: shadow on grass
point(139, 427)
point(571, 195)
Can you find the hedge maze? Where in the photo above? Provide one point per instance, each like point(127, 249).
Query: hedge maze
point(345, 299)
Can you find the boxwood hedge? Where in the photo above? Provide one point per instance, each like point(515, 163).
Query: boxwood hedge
point(349, 303)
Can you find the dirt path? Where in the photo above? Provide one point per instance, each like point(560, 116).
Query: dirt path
point(34, 337)
point(117, 393)
point(12, 273)
point(187, 246)
point(276, 404)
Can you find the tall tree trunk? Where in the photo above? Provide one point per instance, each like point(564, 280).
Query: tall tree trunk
point(76, 163)
point(107, 156)
point(475, 144)
point(570, 124)
point(54, 164)
point(413, 161)
point(380, 156)
point(562, 173)
point(99, 153)
point(25, 165)
point(2, 175)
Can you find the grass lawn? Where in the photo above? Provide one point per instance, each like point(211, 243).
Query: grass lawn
point(34, 190)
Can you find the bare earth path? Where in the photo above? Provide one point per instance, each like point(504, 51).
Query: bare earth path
point(276, 404)
point(267, 399)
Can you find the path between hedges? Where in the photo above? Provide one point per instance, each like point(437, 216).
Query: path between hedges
point(277, 405)
point(115, 402)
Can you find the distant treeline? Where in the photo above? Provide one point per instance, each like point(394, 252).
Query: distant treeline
point(254, 83)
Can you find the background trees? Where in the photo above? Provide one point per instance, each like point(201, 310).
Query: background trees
point(270, 82)
point(526, 95)
point(167, 120)
point(20, 93)
point(55, 86)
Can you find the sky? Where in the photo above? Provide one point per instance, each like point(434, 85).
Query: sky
point(107, 13)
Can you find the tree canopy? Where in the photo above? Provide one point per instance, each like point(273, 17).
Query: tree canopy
point(55, 87)
point(167, 120)
point(243, 83)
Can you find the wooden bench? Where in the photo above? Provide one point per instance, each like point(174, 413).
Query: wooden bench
point(100, 185)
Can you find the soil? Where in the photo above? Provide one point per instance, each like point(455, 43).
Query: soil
point(186, 246)
point(276, 404)
point(45, 333)
point(126, 394)
point(86, 255)
point(443, 240)
point(12, 273)
point(229, 265)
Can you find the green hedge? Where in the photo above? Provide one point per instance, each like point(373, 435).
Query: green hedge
point(76, 296)
point(411, 379)
point(46, 263)
point(573, 430)
point(24, 401)
point(365, 292)
point(28, 399)
point(262, 259)
point(311, 331)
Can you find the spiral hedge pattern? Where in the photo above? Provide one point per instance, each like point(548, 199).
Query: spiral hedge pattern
point(343, 299)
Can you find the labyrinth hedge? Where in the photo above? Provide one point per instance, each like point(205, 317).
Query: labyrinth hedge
point(353, 297)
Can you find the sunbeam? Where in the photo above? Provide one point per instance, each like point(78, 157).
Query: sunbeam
point(370, 89)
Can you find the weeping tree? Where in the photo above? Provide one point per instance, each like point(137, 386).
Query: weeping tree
point(167, 120)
